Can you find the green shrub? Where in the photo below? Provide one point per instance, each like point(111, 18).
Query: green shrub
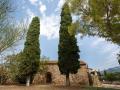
point(3, 75)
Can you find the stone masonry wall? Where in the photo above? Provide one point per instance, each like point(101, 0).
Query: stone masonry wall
point(81, 78)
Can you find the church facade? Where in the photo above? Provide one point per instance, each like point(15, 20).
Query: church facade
point(54, 77)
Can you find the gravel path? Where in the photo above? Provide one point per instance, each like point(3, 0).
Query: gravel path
point(111, 86)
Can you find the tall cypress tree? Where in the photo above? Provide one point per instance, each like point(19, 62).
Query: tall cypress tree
point(68, 51)
point(31, 53)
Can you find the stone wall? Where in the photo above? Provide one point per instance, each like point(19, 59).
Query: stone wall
point(80, 78)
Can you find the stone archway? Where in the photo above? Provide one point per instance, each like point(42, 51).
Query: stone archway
point(48, 77)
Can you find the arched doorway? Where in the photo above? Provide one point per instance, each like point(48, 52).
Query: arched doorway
point(48, 77)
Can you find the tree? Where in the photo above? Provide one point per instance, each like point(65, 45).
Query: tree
point(118, 57)
point(5, 10)
point(105, 73)
point(11, 64)
point(98, 17)
point(3, 74)
point(11, 34)
point(10, 31)
point(102, 16)
point(29, 64)
point(110, 77)
point(43, 68)
point(68, 51)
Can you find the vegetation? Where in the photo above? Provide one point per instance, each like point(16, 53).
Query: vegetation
point(5, 10)
point(112, 76)
point(11, 69)
point(118, 58)
point(101, 17)
point(68, 51)
point(11, 64)
point(30, 56)
point(10, 31)
point(98, 17)
point(3, 75)
point(42, 67)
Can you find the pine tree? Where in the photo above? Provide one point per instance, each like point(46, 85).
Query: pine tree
point(68, 51)
point(31, 54)
point(98, 17)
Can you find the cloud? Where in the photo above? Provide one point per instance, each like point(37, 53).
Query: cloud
point(97, 41)
point(50, 26)
point(110, 51)
point(109, 48)
point(30, 15)
point(110, 60)
point(33, 2)
point(42, 8)
point(60, 4)
point(98, 52)
point(50, 1)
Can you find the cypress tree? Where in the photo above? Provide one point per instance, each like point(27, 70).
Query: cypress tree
point(68, 51)
point(31, 54)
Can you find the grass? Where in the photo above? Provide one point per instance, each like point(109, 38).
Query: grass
point(40, 87)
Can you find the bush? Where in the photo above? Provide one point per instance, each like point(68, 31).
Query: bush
point(112, 76)
point(3, 75)
point(22, 79)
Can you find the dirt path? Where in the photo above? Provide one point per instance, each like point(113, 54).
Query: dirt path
point(39, 87)
point(111, 86)
point(50, 87)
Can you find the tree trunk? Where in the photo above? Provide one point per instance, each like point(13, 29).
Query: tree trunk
point(28, 81)
point(67, 80)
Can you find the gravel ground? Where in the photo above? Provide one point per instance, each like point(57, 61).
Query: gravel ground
point(111, 86)
point(49, 87)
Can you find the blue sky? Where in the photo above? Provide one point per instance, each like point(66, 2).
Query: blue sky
point(98, 53)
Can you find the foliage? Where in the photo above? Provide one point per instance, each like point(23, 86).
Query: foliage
point(10, 31)
point(112, 76)
point(11, 34)
point(42, 66)
point(3, 74)
point(109, 77)
point(12, 63)
point(12, 66)
point(68, 51)
point(5, 10)
point(100, 17)
point(118, 58)
point(30, 56)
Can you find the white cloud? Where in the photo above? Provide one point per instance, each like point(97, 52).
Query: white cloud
point(110, 61)
point(33, 2)
point(60, 4)
point(100, 49)
point(30, 15)
point(42, 8)
point(109, 48)
point(97, 41)
point(50, 26)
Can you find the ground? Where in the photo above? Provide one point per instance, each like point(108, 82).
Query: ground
point(47, 87)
